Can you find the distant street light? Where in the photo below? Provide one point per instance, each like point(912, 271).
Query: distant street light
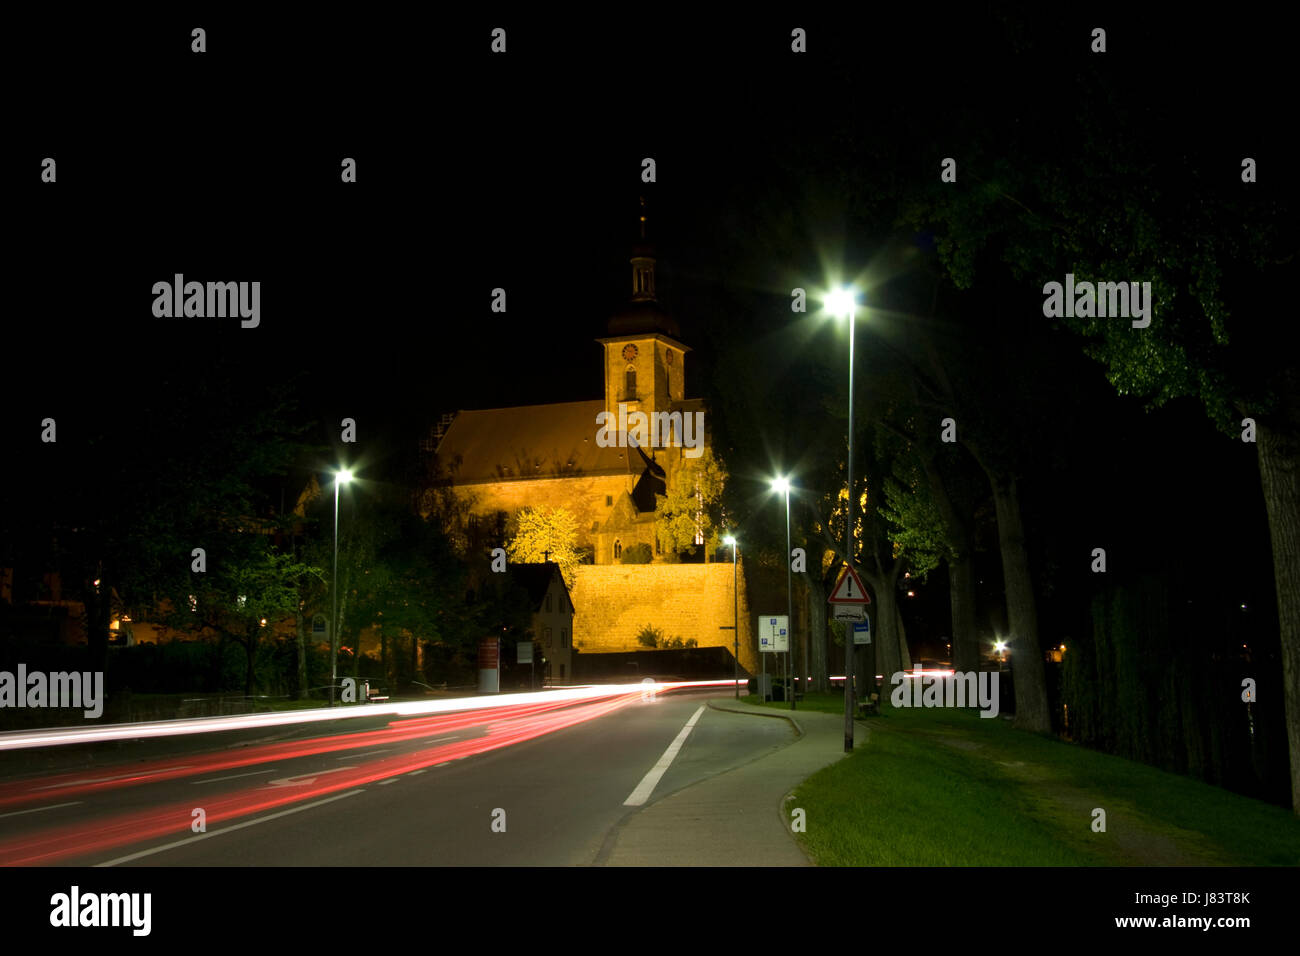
point(782, 486)
point(735, 611)
point(340, 478)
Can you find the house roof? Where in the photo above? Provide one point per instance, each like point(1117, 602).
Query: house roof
point(536, 580)
point(532, 441)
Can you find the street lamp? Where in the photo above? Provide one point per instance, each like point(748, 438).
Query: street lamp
point(735, 611)
point(782, 486)
point(843, 302)
point(340, 478)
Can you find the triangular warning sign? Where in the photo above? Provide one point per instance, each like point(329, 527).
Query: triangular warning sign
point(848, 589)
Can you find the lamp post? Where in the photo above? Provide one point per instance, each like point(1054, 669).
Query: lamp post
point(844, 302)
point(735, 612)
point(340, 478)
point(783, 485)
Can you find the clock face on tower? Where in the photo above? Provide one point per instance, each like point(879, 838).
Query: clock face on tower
point(629, 352)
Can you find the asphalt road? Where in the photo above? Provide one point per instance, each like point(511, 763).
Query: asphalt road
point(388, 792)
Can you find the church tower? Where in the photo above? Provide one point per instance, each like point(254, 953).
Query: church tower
point(645, 364)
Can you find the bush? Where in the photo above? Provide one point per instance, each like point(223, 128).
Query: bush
point(637, 554)
point(650, 636)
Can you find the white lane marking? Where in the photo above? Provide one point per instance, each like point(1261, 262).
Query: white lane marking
point(443, 764)
point(236, 776)
point(643, 789)
point(19, 813)
point(305, 778)
point(415, 773)
point(384, 783)
point(230, 829)
point(364, 755)
point(124, 776)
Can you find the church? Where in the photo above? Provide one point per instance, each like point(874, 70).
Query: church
point(593, 459)
point(576, 455)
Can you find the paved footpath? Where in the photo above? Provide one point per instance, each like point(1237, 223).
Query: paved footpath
point(735, 818)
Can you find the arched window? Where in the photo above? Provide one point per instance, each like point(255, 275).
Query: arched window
point(629, 383)
point(618, 549)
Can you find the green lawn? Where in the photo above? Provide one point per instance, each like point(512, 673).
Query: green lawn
point(949, 788)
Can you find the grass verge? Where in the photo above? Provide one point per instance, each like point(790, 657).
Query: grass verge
point(948, 788)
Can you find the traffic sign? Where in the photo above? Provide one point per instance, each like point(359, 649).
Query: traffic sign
point(862, 632)
point(848, 589)
point(773, 633)
point(849, 612)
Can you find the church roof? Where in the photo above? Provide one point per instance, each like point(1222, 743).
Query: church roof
point(642, 317)
point(532, 441)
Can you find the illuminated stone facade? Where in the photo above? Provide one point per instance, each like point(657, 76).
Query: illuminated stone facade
point(502, 460)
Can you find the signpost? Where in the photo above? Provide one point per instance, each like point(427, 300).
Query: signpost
point(489, 660)
point(773, 638)
point(848, 603)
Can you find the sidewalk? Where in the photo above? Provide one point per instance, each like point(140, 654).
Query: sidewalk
point(735, 818)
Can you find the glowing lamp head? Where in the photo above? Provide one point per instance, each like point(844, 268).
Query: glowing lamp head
point(781, 485)
point(344, 476)
point(1000, 646)
point(729, 540)
point(841, 302)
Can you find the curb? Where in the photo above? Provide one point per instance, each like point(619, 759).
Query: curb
point(758, 713)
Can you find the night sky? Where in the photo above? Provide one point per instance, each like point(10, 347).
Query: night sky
point(523, 173)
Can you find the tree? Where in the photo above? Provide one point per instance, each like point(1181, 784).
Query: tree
point(248, 585)
point(690, 513)
point(265, 591)
point(546, 534)
point(900, 529)
point(1117, 209)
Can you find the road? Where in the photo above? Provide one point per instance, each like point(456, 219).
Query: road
point(546, 784)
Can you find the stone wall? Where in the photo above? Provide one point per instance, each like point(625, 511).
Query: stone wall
point(614, 603)
point(584, 496)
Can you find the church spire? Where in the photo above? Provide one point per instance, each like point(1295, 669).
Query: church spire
point(643, 265)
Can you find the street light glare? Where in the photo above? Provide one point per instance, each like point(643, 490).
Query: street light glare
point(840, 302)
point(344, 476)
point(781, 485)
point(730, 540)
